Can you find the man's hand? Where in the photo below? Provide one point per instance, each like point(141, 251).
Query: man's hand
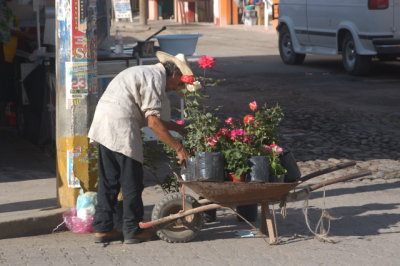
point(183, 154)
point(159, 128)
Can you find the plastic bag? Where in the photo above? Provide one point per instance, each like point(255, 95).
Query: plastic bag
point(85, 204)
point(76, 224)
point(79, 220)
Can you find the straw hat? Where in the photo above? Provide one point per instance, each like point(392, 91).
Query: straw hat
point(180, 61)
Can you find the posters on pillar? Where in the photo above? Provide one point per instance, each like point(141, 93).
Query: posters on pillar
point(80, 74)
point(79, 38)
point(79, 81)
point(122, 9)
point(73, 181)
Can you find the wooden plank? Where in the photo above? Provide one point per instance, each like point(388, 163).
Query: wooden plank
point(272, 239)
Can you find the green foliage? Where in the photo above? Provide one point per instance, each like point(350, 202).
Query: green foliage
point(269, 119)
point(170, 182)
point(241, 139)
point(236, 160)
point(200, 121)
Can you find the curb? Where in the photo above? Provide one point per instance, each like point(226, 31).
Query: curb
point(34, 225)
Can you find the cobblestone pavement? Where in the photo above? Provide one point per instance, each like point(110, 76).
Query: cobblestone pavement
point(330, 117)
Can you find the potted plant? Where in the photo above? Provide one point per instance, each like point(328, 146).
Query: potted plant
point(276, 170)
point(202, 125)
point(232, 140)
point(262, 129)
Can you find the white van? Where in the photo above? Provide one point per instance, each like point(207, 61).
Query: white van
point(358, 29)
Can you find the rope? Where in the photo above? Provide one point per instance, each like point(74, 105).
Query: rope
point(323, 233)
point(282, 205)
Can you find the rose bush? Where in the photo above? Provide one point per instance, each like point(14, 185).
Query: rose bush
point(237, 139)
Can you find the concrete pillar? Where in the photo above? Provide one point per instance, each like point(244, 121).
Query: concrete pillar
point(76, 99)
point(143, 11)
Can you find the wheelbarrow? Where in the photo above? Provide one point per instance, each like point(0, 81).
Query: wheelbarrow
point(178, 218)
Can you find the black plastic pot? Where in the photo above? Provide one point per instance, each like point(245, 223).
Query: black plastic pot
point(249, 212)
point(210, 166)
point(259, 169)
point(289, 163)
point(277, 179)
point(209, 216)
point(188, 173)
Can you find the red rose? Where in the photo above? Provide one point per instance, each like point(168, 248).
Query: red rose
point(187, 79)
point(206, 61)
point(248, 119)
point(253, 105)
point(212, 141)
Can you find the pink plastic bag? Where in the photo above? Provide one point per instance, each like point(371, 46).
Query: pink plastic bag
point(76, 224)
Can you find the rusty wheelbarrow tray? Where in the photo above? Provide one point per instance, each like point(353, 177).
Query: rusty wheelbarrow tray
point(175, 223)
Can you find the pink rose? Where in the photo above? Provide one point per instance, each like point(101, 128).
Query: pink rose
point(276, 148)
point(206, 61)
point(180, 122)
point(241, 132)
point(229, 121)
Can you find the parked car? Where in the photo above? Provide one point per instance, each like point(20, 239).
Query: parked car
point(357, 29)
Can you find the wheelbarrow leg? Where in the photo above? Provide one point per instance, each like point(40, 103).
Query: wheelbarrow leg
point(266, 222)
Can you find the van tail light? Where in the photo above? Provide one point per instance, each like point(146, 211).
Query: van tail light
point(378, 4)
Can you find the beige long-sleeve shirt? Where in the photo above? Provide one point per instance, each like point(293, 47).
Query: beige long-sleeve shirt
point(121, 112)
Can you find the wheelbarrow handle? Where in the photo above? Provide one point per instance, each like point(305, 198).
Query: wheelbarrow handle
point(327, 170)
point(304, 192)
point(178, 215)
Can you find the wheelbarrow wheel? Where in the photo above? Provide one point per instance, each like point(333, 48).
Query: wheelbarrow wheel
point(180, 230)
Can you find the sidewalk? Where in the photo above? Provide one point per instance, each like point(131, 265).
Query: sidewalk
point(28, 201)
point(28, 192)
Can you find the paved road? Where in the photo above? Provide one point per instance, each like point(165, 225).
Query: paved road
point(367, 234)
point(330, 117)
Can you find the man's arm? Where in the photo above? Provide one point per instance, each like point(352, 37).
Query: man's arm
point(161, 131)
point(174, 127)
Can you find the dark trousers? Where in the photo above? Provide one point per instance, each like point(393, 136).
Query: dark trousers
point(118, 171)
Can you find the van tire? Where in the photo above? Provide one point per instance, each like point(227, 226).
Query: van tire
point(354, 63)
point(286, 51)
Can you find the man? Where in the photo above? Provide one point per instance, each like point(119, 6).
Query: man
point(133, 99)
